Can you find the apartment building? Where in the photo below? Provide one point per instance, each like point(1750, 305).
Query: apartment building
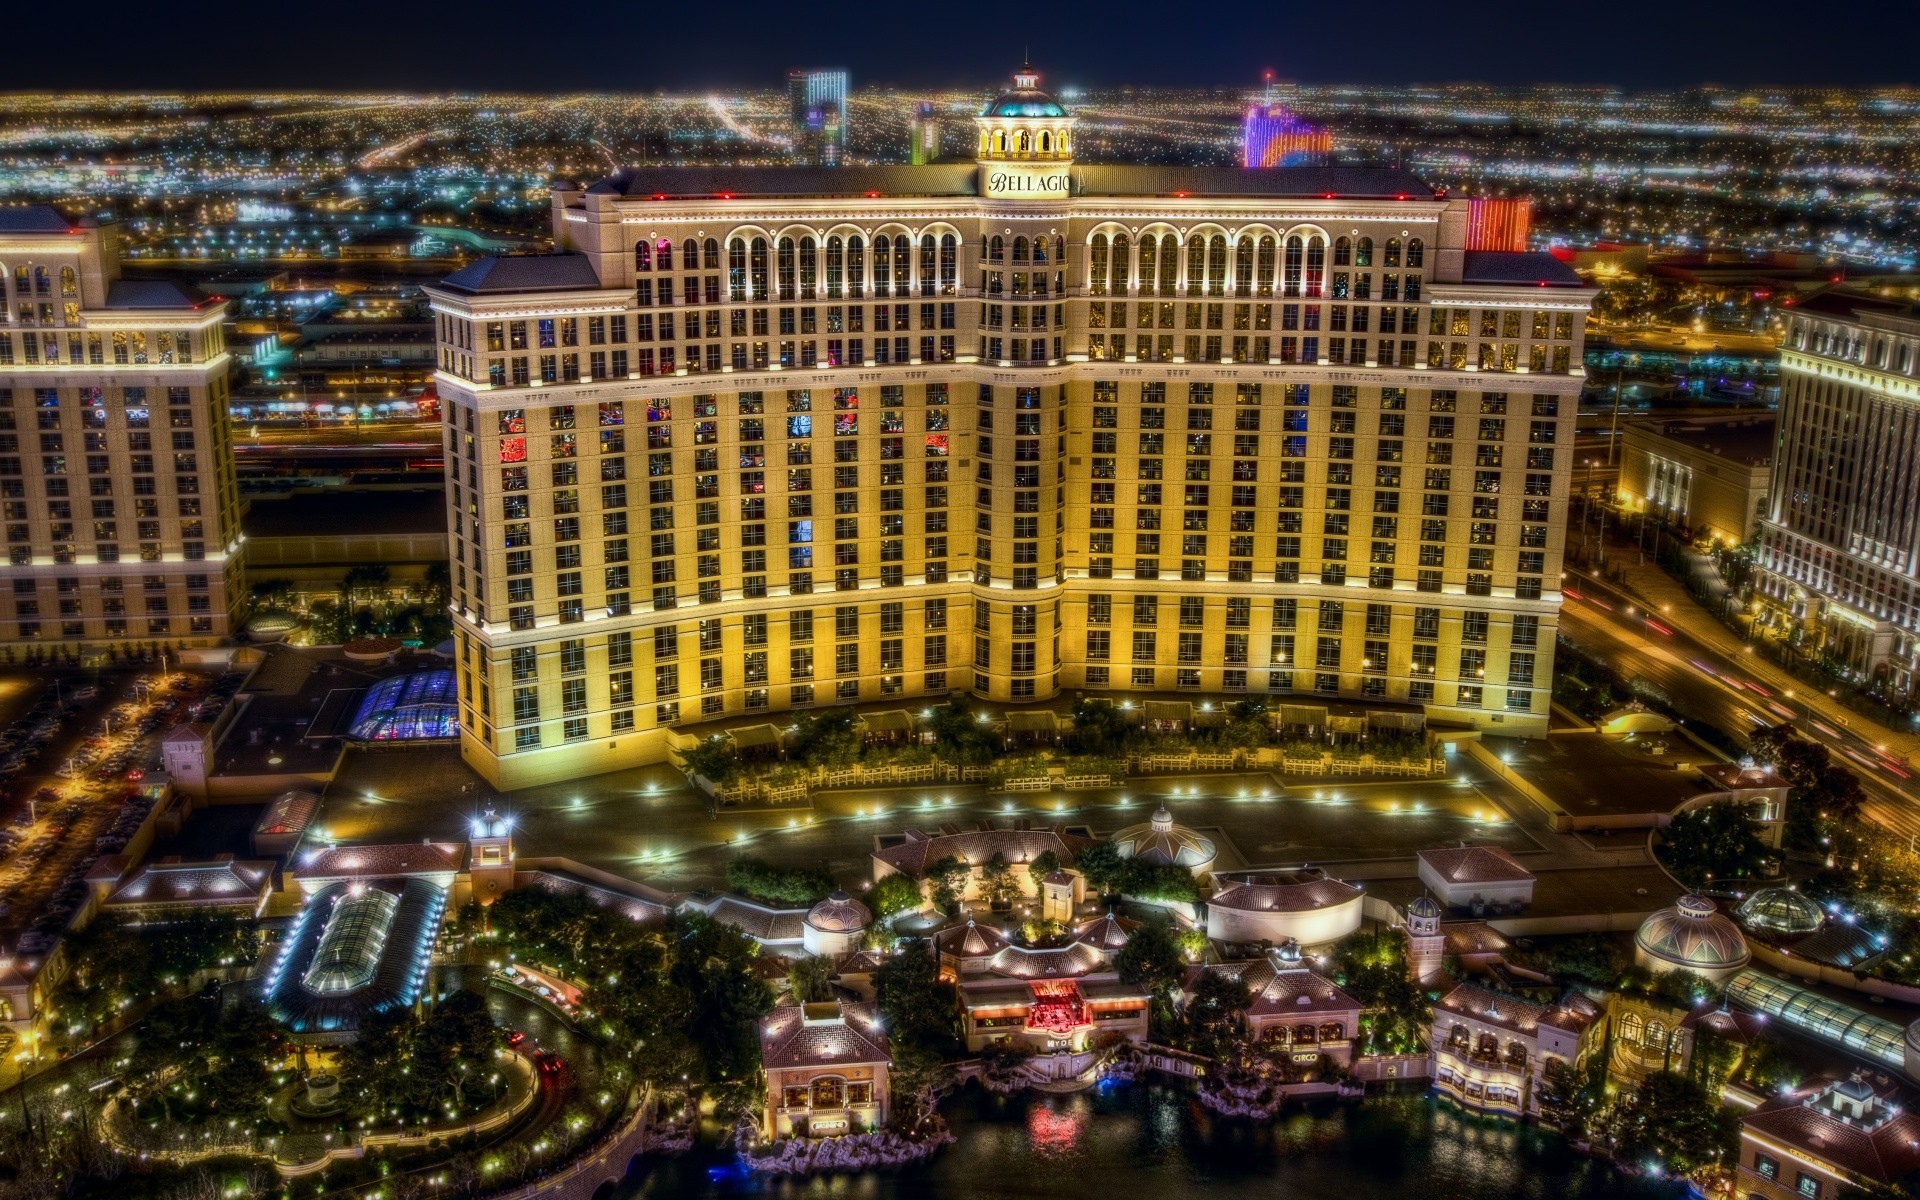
point(117, 489)
point(1018, 427)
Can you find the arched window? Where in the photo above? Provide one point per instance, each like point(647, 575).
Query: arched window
point(856, 266)
point(1196, 265)
point(929, 263)
point(903, 260)
point(1243, 266)
point(757, 268)
point(663, 255)
point(1363, 253)
point(1316, 266)
point(711, 254)
point(882, 265)
point(1391, 256)
point(1630, 1029)
point(1021, 142)
point(836, 265)
point(1059, 249)
point(690, 255)
point(1268, 249)
point(1217, 265)
point(1122, 262)
point(1342, 252)
point(949, 264)
point(1416, 253)
point(1656, 1036)
point(642, 256)
point(1040, 249)
point(1097, 264)
point(1906, 360)
point(1169, 264)
point(787, 266)
point(69, 283)
point(809, 268)
point(1148, 262)
point(1295, 266)
point(736, 271)
point(1020, 249)
point(999, 143)
point(997, 248)
point(1046, 142)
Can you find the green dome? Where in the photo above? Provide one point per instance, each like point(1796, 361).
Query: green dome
point(1024, 102)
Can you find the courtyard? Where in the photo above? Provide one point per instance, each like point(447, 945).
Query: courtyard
point(649, 825)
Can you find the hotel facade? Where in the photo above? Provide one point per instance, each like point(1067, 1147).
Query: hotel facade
point(1838, 572)
point(1017, 427)
point(117, 492)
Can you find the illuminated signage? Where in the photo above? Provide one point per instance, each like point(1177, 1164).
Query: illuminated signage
point(1015, 183)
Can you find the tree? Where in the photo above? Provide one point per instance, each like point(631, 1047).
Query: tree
point(810, 978)
point(918, 1078)
point(893, 895)
point(713, 965)
point(825, 738)
point(1215, 1013)
point(1152, 959)
point(781, 885)
point(1587, 958)
point(712, 759)
point(961, 736)
point(1044, 864)
point(947, 879)
point(921, 1010)
point(1713, 842)
point(997, 883)
point(1372, 967)
point(1104, 867)
point(1672, 1121)
point(1101, 729)
point(455, 1048)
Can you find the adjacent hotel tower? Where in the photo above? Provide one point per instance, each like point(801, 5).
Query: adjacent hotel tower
point(1839, 552)
point(1018, 427)
point(116, 463)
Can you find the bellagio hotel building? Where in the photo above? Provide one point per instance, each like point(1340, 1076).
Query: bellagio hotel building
point(117, 498)
point(1017, 427)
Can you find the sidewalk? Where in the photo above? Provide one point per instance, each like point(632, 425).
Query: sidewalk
point(1660, 592)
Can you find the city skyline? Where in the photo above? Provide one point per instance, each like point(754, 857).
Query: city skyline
point(361, 46)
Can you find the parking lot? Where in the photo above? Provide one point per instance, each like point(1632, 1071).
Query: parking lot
point(74, 760)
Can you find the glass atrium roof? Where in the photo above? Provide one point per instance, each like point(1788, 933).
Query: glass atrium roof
point(406, 707)
point(1825, 1018)
point(349, 952)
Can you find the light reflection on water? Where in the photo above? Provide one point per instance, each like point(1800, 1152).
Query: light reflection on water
point(1141, 1142)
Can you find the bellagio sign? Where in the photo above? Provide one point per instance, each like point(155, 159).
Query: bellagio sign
point(1014, 184)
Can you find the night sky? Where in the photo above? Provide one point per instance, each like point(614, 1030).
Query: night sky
point(646, 45)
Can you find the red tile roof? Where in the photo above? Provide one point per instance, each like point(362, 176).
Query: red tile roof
point(790, 1037)
point(1475, 864)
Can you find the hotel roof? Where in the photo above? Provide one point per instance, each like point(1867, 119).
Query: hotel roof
point(368, 862)
point(34, 218)
point(1518, 267)
point(1509, 1012)
point(151, 294)
point(976, 847)
point(811, 1036)
point(1281, 891)
point(1885, 1152)
point(760, 922)
point(213, 883)
point(1475, 864)
point(962, 179)
point(1279, 990)
point(524, 273)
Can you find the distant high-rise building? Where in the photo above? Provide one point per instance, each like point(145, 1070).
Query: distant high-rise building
point(116, 465)
point(1839, 557)
point(818, 103)
point(926, 134)
point(1272, 136)
point(1031, 427)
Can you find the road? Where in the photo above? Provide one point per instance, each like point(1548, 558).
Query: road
point(1714, 687)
